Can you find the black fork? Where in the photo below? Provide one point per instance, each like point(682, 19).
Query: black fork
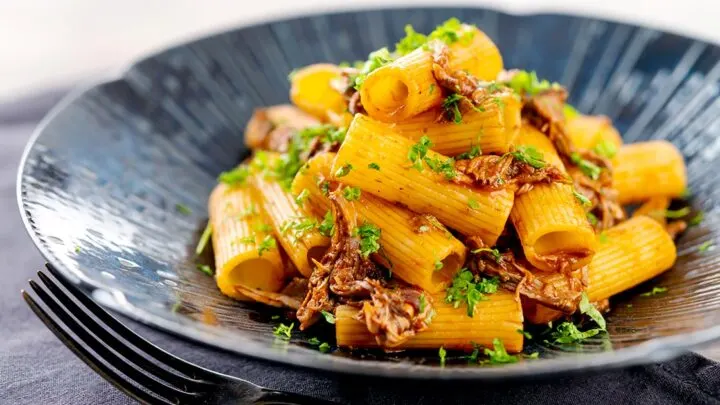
point(132, 364)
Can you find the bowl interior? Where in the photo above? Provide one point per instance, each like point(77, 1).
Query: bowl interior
point(100, 184)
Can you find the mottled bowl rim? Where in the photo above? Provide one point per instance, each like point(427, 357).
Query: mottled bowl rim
point(652, 351)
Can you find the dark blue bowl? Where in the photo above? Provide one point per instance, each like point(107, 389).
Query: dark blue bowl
point(100, 181)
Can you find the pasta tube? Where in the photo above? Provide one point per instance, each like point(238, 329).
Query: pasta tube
point(295, 229)
point(550, 222)
point(493, 130)
point(654, 208)
point(630, 253)
point(311, 89)
point(648, 169)
point(418, 252)
point(468, 210)
point(246, 253)
point(587, 131)
point(407, 86)
point(500, 316)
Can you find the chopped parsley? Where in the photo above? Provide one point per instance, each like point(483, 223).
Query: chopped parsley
point(291, 75)
point(412, 41)
point(675, 214)
point(469, 289)
point(697, 219)
point(472, 203)
point(325, 188)
point(605, 148)
point(235, 177)
point(329, 317)
point(204, 238)
point(525, 333)
point(299, 226)
point(422, 303)
point(589, 309)
point(369, 235)
point(451, 107)
point(302, 197)
point(275, 317)
point(449, 32)
point(205, 269)
point(494, 252)
point(533, 355)
point(499, 355)
point(344, 170)
point(588, 168)
point(438, 265)
point(654, 291)
point(581, 197)
point(442, 354)
point(284, 331)
point(603, 238)
point(266, 244)
point(376, 60)
point(327, 226)
point(374, 166)
point(446, 167)
point(471, 154)
point(325, 133)
point(183, 209)
point(530, 156)
point(524, 82)
point(567, 332)
point(262, 227)
point(247, 240)
point(432, 88)
point(324, 347)
point(706, 246)
point(351, 193)
point(314, 341)
point(418, 151)
point(570, 112)
point(592, 218)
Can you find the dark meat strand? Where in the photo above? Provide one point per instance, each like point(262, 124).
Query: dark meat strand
point(345, 85)
point(558, 290)
point(497, 172)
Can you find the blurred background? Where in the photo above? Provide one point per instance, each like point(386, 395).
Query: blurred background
point(50, 44)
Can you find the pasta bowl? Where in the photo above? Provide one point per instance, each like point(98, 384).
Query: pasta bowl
point(113, 186)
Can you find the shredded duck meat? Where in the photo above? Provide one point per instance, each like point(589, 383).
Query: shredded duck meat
point(273, 128)
point(557, 290)
point(496, 172)
point(544, 111)
point(344, 276)
point(394, 315)
point(290, 297)
point(345, 86)
point(456, 81)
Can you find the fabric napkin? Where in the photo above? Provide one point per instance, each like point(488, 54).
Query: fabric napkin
point(35, 368)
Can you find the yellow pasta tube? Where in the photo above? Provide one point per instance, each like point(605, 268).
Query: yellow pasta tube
point(245, 250)
point(311, 89)
point(628, 254)
point(587, 131)
point(654, 208)
point(295, 229)
point(500, 316)
point(551, 223)
point(466, 209)
point(418, 252)
point(407, 86)
point(648, 169)
point(493, 130)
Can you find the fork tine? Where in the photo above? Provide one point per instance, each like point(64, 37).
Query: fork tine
point(91, 360)
point(133, 338)
point(119, 363)
point(117, 345)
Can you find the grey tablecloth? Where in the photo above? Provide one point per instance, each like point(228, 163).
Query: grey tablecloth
point(35, 368)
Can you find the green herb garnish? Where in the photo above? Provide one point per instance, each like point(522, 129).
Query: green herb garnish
point(606, 148)
point(654, 291)
point(344, 170)
point(494, 252)
point(675, 214)
point(697, 219)
point(376, 60)
point(266, 244)
point(183, 209)
point(589, 309)
point(284, 331)
point(581, 197)
point(524, 82)
point(469, 289)
point(442, 353)
point(327, 226)
point(445, 167)
point(592, 218)
point(603, 238)
point(421, 303)
point(472, 203)
point(302, 197)
point(205, 269)
point(567, 332)
point(438, 265)
point(235, 177)
point(410, 42)
point(374, 166)
point(529, 155)
point(525, 333)
point(369, 235)
point(706, 246)
point(204, 238)
point(588, 168)
point(351, 193)
point(417, 152)
point(329, 317)
point(499, 355)
point(471, 154)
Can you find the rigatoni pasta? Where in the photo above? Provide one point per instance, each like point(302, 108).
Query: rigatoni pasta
point(426, 199)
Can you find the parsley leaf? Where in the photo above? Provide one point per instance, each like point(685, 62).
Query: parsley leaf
point(446, 168)
point(324, 347)
point(675, 214)
point(438, 265)
point(494, 252)
point(329, 317)
point(654, 291)
point(697, 219)
point(442, 354)
point(183, 209)
point(471, 154)
point(706, 246)
point(327, 226)
point(451, 107)
point(499, 355)
point(284, 331)
point(592, 218)
point(351, 193)
point(204, 238)
point(421, 303)
point(530, 156)
point(302, 197)
point(525, 333)
point(235, 177)
point(344, 170)
point(374, 166)
point(567, 332)
point(266, 244)
point(325, 188)
point(410, 42)
point(524, 82)
point(603, 238)
point(449, 32)
point(376, 60)
point(205, 269)
point(472, 203)
point(469, 289)
point(605, 148)
point(369, 235)
point(589, 309)
point(588, 168)
point(581, 197)
point(417, 152)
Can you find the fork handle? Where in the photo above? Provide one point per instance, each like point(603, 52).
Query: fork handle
point(269, 397)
